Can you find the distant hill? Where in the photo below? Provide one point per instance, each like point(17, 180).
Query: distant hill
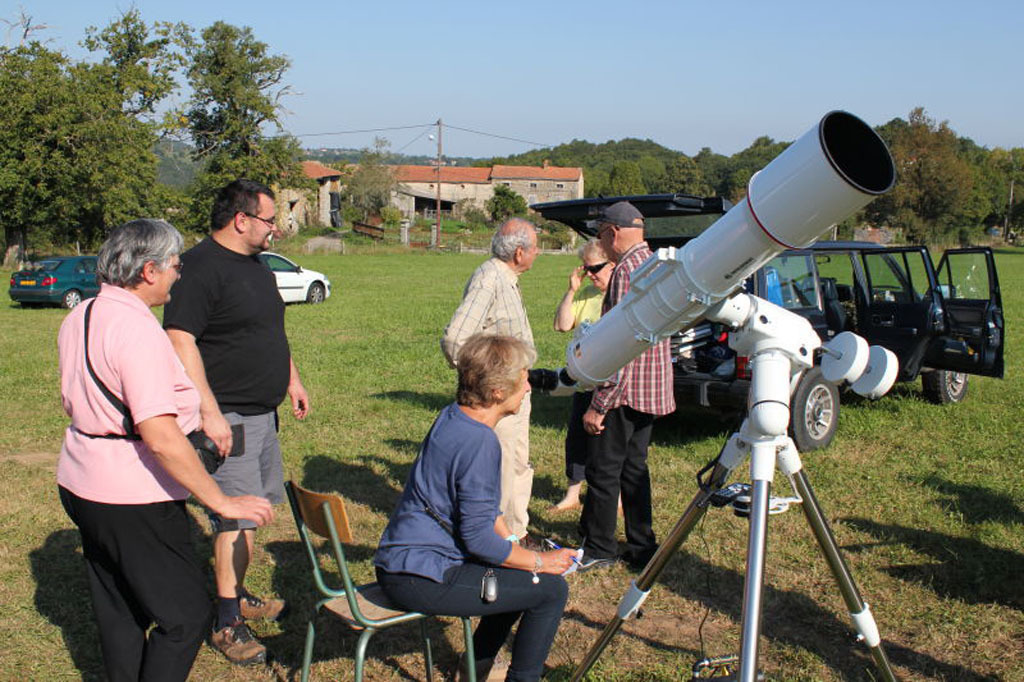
point(328, 155)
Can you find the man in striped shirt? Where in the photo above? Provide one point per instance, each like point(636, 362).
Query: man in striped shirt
point(493, 304)
point(621, 415)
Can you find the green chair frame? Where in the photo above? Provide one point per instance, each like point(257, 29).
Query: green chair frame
point(363, 608)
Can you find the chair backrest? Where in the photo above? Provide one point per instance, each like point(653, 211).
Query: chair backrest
point(323, 514)
point(311, 508)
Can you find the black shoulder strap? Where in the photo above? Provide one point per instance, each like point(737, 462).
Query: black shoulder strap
point(128, 423)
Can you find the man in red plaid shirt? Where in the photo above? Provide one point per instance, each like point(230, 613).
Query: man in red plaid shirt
point(621, 415)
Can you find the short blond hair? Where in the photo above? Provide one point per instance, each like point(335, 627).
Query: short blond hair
point(488, 364)
point(593, 248)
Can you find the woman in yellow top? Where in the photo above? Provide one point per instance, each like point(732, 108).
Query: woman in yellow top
point(580, 305)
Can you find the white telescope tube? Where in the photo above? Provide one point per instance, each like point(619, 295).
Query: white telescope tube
point(832, 170)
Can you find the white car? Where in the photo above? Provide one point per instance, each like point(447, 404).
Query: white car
point(295, 283)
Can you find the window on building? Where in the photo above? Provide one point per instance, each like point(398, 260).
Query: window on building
point(533, 185)
point(559, 185)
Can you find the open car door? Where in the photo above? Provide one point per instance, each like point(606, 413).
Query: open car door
point(974, 337)
point(902, 310)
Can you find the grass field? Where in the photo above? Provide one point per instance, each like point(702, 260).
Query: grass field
point(926, 501)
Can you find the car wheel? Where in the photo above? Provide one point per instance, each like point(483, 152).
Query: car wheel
point(814, 412)
point(72, 297)
point(315, 293)
point(943, 386)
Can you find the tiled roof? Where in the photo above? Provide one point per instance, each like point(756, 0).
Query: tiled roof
point(535, 173)
point(316, 170)
point(449, 174)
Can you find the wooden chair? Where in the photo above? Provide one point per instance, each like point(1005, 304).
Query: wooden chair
point(363, 608)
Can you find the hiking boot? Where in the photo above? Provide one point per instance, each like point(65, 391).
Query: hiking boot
point(238, 645)
point(254, 608)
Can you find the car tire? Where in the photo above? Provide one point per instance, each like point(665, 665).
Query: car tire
point(71, 298)
point(814, 412)
point(944, 386)
point(316, 293)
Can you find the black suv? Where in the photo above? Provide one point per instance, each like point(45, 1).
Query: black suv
point(943, 322)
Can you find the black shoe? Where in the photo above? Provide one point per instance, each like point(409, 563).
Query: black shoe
point(638, 560)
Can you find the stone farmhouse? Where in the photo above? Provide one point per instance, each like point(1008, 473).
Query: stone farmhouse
point(416, 191)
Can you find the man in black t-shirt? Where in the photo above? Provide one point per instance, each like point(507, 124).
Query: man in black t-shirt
point(225, 319)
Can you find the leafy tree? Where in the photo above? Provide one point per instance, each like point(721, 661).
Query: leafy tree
point(933, 181)
point(370, 186)
point(683, 175)
point(75, 153)
point(505, 203)
point(625, 179)
point(236, 92)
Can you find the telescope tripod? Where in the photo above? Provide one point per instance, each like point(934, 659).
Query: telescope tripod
point(776, 341)
point(765, 453)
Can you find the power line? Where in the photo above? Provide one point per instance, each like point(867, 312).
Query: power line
point(425, 131)
point(365, 130)
point(500, 137)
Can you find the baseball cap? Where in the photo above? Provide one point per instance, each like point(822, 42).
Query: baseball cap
point(621, 214)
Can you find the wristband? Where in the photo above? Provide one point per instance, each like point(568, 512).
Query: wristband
point(512, 537)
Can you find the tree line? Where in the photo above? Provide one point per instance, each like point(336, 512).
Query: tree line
point(78, 138)
point(79, 142)
point(948, 188)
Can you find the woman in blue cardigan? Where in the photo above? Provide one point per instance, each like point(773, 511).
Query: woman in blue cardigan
point(446, 538)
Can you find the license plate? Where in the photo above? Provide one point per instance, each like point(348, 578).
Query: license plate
point(28, 282)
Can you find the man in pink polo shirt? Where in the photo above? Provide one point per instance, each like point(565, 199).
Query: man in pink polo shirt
point(126, 467)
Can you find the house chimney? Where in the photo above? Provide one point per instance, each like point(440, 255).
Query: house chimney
point(546, 163)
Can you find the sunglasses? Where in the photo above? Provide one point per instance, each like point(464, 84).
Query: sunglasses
point(595, 268)
point(268, 221)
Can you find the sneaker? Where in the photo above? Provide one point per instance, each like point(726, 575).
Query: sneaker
point(255, 608)
point(592, 563)
point(238, 645)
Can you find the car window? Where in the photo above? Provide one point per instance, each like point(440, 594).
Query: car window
point(90, 265)
point(80, 268)
point(278, 264)
point(789, 281)
point(678, 225)
point(899, 277)
point(48, 265)
point(837, 267)
point(965, 277)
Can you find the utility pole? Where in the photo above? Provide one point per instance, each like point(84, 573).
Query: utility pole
point(435, 241)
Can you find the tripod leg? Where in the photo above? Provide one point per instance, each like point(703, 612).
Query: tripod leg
point(859, 611)
point(762, 469)
point(728, 459)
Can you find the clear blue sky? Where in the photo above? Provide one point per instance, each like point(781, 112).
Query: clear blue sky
point(684, 74)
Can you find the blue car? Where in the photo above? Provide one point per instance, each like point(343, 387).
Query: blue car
point(64, 281)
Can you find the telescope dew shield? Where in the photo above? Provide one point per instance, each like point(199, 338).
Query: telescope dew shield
point(831, 171)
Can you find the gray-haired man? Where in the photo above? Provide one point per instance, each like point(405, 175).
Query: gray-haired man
point(493, 304)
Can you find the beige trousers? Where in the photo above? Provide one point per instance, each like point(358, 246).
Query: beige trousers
point(516, 472)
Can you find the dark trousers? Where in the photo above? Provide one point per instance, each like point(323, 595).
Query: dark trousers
point(617, 463)
point(576, 438)
point(538, 608)
point(142, 570)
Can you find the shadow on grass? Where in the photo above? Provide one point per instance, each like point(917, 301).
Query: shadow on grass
point(796, 620)
point(975, 503)
point(964, 569)
point(62, 597)
point(434, 402)
point(356, 480)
